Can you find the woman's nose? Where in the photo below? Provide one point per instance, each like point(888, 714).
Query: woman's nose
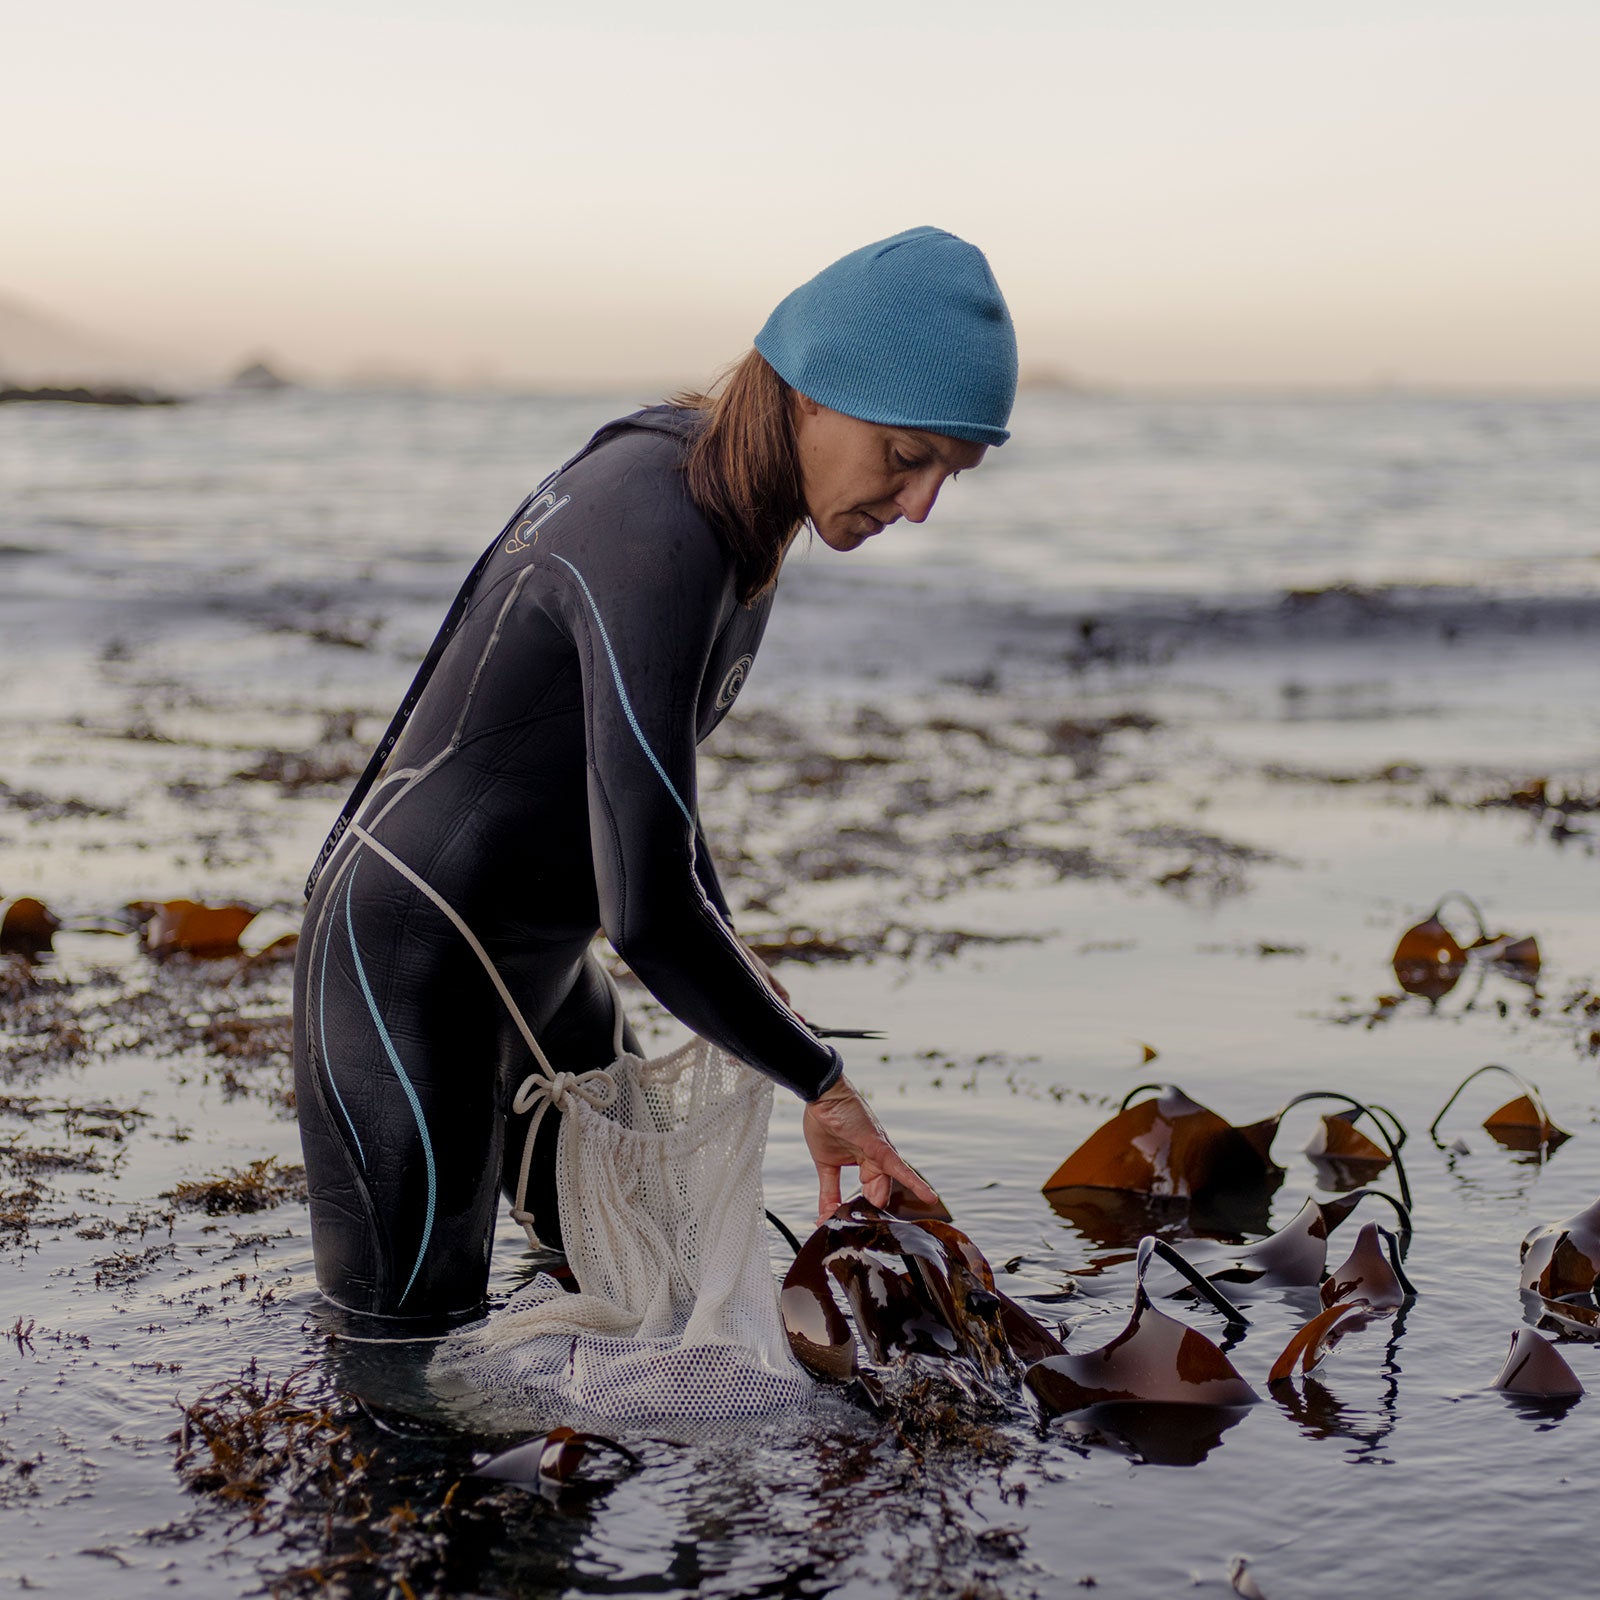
point(916, 499)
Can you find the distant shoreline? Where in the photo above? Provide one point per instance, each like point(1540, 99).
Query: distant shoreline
point(82, 396)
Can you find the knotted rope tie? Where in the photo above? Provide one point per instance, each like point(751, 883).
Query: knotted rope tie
point(537, 1093)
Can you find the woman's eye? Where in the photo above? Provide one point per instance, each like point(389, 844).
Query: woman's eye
point(905, 463)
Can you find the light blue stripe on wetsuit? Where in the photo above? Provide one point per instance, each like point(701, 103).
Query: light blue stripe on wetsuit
point(622, 693)
point(322, 1025)
point(405, 1083)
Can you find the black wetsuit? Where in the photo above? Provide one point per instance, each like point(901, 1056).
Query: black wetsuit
point(543, 788)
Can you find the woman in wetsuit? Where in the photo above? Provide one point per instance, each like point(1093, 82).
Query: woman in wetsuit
point(538, 784)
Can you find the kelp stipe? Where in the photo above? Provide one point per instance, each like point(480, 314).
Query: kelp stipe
point(1151, 1246)
point(1389, 1126)
point(1520, 1124)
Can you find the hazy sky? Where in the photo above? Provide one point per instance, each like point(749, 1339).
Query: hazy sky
point(1170, 191)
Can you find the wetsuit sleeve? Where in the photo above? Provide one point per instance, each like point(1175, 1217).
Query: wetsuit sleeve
point(705, 869)
point(643, 610)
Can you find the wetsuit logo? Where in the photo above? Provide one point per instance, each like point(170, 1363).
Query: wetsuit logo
point(733, 683)
point(526, 533)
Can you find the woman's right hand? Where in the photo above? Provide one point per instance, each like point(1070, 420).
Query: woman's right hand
point(841, 1131)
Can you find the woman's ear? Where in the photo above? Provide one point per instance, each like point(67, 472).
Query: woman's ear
point(805, 404)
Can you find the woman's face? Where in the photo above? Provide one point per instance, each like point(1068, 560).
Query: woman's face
point(858, 477)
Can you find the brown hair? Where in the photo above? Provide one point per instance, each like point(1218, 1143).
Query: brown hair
point(743, 470)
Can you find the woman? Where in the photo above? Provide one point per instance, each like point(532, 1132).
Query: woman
point(538, 783)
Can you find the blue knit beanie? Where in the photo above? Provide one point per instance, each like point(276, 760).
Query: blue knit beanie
point(911, 331)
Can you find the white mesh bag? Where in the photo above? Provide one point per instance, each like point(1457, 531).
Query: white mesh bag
point(658, 1179)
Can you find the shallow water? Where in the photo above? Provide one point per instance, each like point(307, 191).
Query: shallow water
point(1215, 894)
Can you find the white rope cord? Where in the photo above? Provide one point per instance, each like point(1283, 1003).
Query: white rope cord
point(540, 1090)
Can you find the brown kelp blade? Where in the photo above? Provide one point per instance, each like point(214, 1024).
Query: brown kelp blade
point(1580, 1318)
point(1029, 1339)
point(27, 926)
point(1535, 1369)
point(1371, 1273)
point(819, 1332)
point(187, 927)
point(915, 1288)
point(902, 1203)
point(893, 1319)
point(1563, 1258)
point(1428, 961)
point(1368, 1282)
point(991, 1329)
point(1518, 958)
point(553, 1459)
point(1169, 1145)
point(1295, 1255)
point(1312, 1343)
point(1155, 1357)
point(1342, 1155)
point(1521, 1123)
point(1336, 1138)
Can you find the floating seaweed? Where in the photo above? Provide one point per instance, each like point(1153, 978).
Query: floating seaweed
point(1344, 1157)
point(552, 1460)
point(1563, 1258)
point(1371, 1273)
point(916, 1287)
point(1295, 1256)
point(1536, 1370)
point(27, 927)
point(257, 1187)
point(1169, 1146)
point(172, 927)
point(1429, 959)
point(1520, 1124)
point(1312, 1343)
point(1172, 1147)
point(1159, 1387)
point(1369, 1281)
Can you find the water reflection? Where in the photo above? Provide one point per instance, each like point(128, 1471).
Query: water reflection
point(1542, 1413)
point(1164, 1434)
point(1118, 1219)
point(1320, 1414)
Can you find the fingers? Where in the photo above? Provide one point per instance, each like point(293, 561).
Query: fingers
point(828, 1197)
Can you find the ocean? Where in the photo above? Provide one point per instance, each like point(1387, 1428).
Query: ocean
point(1150, 742)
